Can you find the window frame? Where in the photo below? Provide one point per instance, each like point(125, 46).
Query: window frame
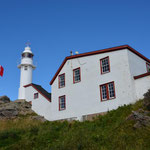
point(25, 67)
point(101, 67)
point(36, 95)
point(147, 65)
point(74, 75)
point(60, 109)
point(107, 91)
point(59, 81)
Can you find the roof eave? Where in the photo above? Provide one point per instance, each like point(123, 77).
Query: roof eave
point(37, 90)
point(142, 75)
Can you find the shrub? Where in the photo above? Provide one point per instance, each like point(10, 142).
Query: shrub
point(146, 100)
point(9, 137)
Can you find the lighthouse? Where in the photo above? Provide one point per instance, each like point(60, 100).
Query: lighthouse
point(26, 67)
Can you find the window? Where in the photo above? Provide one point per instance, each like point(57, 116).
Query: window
point(105, 65)
point(61, 80)
point(25, 67)
point(36, 95)
point(148, 67)
point(107, 91)
point(76, 75)
point(104, 92)
point(25, 55)
point(62, 102)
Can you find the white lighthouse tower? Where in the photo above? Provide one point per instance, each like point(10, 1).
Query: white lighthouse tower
point(26, 68)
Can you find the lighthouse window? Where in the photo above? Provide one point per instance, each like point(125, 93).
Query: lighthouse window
point(30, 55)
point(25, 67)
point(27, 55)
point(23, 55)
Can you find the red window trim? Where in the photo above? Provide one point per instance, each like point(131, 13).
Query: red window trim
point(37, 95)
point(59, 102)
point(59, 81)
point(107, 91)
point(147, 64)
point(101, 65)
point(74, 77)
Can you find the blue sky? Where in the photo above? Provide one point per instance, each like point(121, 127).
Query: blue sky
point(54, 27)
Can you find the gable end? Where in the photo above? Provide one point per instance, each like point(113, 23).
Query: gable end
point(42, 91)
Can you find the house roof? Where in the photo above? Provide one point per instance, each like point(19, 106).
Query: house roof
point(142, 75)
point(40, 90)
point(98, 52)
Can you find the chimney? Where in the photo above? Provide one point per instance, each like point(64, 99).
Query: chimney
point(71, 53)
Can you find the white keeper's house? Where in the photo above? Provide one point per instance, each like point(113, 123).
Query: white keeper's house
point(91, 83)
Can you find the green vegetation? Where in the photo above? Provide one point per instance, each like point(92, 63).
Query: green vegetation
point(109, 132)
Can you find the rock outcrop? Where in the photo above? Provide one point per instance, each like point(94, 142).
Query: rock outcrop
point(4, 99)
point(16, 109)
point(141, 118)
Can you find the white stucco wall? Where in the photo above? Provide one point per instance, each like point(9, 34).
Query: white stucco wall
point(138, 67)
point(142, 85)
point(40, 105)
point(25, 78)
point(137, 64)
point(25, 75)
point(84, 97)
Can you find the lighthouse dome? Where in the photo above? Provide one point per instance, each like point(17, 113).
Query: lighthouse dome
point(27, 50)
point(27, 53)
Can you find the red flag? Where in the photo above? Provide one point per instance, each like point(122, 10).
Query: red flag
point(1, 70)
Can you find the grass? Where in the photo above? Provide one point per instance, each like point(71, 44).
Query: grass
point(109, 132)
point(22, 123)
